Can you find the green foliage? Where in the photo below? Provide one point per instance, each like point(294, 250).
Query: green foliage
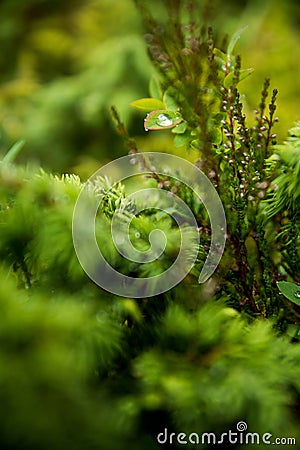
point(49, 349)
point(82, 368)
point(205, 378)
point(148, 104)
point(29, 210)
point(290, 290)
point(202, 81)
point(13, 152)
point(64, 64)
point(282, 203)
point(62, 67)
point(286, 193)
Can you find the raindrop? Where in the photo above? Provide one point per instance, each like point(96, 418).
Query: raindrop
point(164, 121)
point(159, 119)
point(297, 294)
point(137, 235)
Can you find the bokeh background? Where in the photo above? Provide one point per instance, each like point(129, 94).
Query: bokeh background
point(63, 64)
point(70, 377)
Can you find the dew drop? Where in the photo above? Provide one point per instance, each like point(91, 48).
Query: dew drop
point(137, 235)
point(164, 121)
point(297, 294)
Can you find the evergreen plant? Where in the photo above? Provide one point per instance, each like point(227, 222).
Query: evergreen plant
point(85, 369)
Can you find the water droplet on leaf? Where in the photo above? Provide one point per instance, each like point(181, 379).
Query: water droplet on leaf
point(164, 121)
point(297, 294)
point(160, 119)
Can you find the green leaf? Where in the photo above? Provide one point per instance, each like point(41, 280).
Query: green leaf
point(244, 73)
point(155, 88)
point(180, 129)
point(235, 37)
point(170, 99)
point(290, 290)
point(182, 140)
point(148, 104)
point(293, 331)
point(218, 117)
point(216, 136)
point(219, 54)
point(162, 119)
point(195, 144)
point(221, 58)
point(13, 152)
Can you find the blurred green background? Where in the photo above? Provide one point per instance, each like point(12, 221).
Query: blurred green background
point(64, 64)
point(69, 377)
